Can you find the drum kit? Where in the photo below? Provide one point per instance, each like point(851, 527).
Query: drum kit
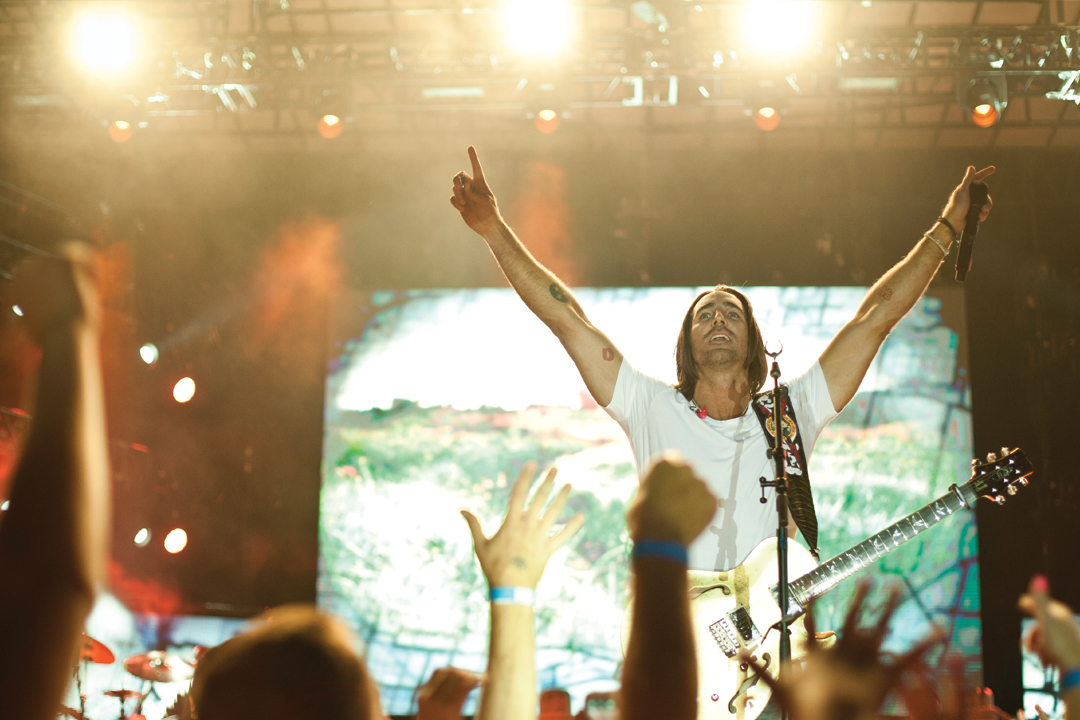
point(152, 667)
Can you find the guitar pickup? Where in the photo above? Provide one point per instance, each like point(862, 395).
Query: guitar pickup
point(725, 636)
point(744, 624)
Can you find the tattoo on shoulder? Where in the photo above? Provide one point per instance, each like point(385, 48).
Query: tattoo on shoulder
point(609, 354)
point(885, 292)
point(558, 293)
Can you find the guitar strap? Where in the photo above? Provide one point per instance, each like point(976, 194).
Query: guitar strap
point(800, 497)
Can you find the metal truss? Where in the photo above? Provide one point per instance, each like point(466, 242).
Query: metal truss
point(236, 57)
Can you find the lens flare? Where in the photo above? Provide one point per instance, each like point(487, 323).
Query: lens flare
point(104, 43)
point(538, 27)
point(142, 538)
point(149, 353)
point(176, 541)
point(778, 27)
point(184, 390)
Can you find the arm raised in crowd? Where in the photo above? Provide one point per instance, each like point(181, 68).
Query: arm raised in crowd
point(1056, 639)
point(513, 560)
point(53, 538)
point(596, 357)
point(660, 672)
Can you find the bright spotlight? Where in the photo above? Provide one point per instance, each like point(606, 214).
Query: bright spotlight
point(149, 353)
point(17, 310)
point(547, 121)
point(767, 118)
point(120, 130)
point(176, 541)
point(142, 538)
point(184, 390)
point(104, 42)
point(538, 27)
point(778, 26)
point(984, 115)
point(330, 126)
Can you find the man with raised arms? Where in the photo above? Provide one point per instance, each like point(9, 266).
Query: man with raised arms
point(721, 366)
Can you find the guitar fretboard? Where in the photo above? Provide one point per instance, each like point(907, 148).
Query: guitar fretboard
point(832, 572)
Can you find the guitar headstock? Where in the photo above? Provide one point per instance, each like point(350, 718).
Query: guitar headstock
point(1000, 475)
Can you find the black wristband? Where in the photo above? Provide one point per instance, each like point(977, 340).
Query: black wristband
point(949, 225)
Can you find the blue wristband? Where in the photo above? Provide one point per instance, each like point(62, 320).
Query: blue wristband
point(663, 549)
point(511, 595)
point(1068, 681)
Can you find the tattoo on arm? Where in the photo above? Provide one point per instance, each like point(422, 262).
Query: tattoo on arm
point(884, 292)
point(558, 293)
point(519, 562)
point(609, 354)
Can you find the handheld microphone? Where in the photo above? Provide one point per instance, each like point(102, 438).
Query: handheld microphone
point(979, 194)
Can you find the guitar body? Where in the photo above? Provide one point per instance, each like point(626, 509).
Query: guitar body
point(720, 603)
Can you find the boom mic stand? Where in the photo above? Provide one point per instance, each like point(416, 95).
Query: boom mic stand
point(780, 483)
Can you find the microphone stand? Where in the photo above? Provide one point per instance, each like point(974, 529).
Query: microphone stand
point(776, 452)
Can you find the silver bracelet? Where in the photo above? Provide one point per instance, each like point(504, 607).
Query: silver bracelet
point(937, 241)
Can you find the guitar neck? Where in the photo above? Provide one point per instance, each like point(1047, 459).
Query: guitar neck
point(831, 573)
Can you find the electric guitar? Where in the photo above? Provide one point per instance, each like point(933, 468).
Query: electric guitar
point(739, 610)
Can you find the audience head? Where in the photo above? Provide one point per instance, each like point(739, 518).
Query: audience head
point(299, 664)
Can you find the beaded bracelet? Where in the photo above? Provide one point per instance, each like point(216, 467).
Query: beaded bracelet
point(663, 549)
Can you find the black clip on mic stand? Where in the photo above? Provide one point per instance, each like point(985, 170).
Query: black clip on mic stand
point(780, 483)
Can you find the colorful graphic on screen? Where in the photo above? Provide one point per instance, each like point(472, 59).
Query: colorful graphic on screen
point(438, 397)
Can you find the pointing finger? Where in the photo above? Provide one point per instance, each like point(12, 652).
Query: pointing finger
point(477, 171)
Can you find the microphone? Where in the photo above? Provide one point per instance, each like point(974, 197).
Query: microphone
point(979, 194)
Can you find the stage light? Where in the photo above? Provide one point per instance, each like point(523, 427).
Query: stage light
point(538, 27)
point(176, 541)
point(547, 121)
point(982, 97)
point(330, 126)
point(778, 26)
point(149, 353)
point(120, 130)
point(184, 390)
point(104, 42)
point(17, 310)
point(767, 118)
point(142, 538)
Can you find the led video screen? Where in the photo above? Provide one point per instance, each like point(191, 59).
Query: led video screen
point(435, 398)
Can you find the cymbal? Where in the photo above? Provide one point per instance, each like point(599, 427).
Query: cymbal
point(95, 651)
point(123, 694)
point(159, 666)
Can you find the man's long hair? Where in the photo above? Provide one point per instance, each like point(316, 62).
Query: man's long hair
point(757, 366)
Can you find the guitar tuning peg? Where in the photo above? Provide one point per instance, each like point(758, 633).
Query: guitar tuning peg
point(1022, 481)
point(1004, 451)
point(991, 457)
point(974, 462)
point(1000, 499)
point(1011, 490)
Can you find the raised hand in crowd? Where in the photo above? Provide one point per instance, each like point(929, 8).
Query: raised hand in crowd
point(1056, 639)
point(443, 696)
point(660, 672)
point(513, 560)
point(53, 538)
point(851, 678)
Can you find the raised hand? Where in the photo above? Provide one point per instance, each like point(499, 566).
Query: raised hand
point(1056, 639)
point(443, 695)
point(517, 554)
point(672, 504)
point(956, 209)
point(474, 199)
point(57, 290)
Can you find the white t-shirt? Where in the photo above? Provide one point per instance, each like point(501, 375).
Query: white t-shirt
point(729, 455)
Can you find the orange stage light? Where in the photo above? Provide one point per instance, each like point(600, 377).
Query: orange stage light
point(767, 118)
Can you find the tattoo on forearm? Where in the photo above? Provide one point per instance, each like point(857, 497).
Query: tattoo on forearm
point(558, 293)
point(609, 354)
point(884, 292)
